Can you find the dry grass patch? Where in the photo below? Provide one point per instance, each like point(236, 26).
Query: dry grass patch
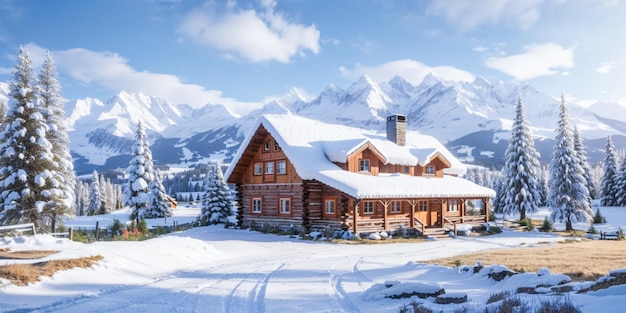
point(23, 255)
point(24, 274)
point(586, 260)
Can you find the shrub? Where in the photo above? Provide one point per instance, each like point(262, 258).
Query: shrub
point(598, 218)
point(546, 226)
point(560, 305)
point(116, 227)
point(414, 307)
point(498, 296)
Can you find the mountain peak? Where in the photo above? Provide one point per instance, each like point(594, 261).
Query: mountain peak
point(431, 79)
point(481, 82)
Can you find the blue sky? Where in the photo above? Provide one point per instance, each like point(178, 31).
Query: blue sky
point(242, 53)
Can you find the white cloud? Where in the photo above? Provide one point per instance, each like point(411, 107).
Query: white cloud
point(605, 67)
point(536, 60)
point(411, 70)
point(469, 14)
point(254, 36)
point(111, 71)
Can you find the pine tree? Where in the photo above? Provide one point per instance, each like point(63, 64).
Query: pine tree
point(568, 196)
point(49, 93)
point(96, 202)
point(521, 170)
point(140, 174)
point(217, 203)
point(579, 147)
point(27, 180)
point(609, 181)
point(158, 206)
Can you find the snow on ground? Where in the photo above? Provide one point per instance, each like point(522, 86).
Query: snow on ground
point(212, 269)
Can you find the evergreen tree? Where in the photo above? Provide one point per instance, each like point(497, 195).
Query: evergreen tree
point(620, 185)
point(609, 181)
point(521, 170)
point(140, 174)
point(217, 203)
point(96, 202)
point(568, 196)
point(49, 93)
point(158, 206)
point(581, 154)
point(27, 180)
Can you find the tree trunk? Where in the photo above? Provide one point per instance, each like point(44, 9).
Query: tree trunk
point(568, 225)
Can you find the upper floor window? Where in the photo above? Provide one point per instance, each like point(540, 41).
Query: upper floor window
point(430, 170)
point(256, 205)
point(281, 167)
point(453, 205)
point(364, 165)
point(329, 206)
point(276, 146)
point(269, 168)
point(396, 207)
point(266, 146)
point(285, 205)
point(258, 168)
point(368, 207)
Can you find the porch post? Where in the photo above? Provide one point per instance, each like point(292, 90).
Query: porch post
point(486, 202)
point(412, 214)
point(385, 204)
point(355, 217)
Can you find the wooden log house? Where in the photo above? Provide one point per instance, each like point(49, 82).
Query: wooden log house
point(296, 172)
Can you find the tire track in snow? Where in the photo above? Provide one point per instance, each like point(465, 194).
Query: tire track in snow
point(249, 294)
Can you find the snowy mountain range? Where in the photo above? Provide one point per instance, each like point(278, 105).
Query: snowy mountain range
point(472, 119)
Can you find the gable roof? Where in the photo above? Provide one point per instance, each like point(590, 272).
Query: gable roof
point(312, 147)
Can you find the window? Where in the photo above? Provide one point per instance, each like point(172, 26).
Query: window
point(285, 205)
point(266, 146)
point(430, 170)
point(407, 170)
point(256, 205)
point(329, 206)
point(269, 168)
point(423, 206)
point(453, 205)
point(258, 168)
point(364, 165)
point(368, 207)
point(276, 146)
point(396, 207)
point(281, 167)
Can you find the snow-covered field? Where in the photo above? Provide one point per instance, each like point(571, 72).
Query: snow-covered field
point(212, 269)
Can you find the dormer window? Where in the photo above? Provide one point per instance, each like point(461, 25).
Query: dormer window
point(364, 165)
point(430, 170)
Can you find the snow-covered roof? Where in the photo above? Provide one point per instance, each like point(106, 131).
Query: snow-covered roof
point(312, 147)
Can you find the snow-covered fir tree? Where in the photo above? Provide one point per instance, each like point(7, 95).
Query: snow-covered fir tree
point(49, 93)
point(217, 204)
point(96, 203)
point(620, 185)
point(27, 180)
point(609, 181)
point(82, 198)
point(579, 147)
point(140, 174)
point(158, 205)
point(520, 175)
point(568, 197)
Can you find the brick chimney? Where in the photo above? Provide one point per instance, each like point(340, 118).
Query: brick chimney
point(396, 129)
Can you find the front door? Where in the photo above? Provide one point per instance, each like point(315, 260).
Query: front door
point(433, 211)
